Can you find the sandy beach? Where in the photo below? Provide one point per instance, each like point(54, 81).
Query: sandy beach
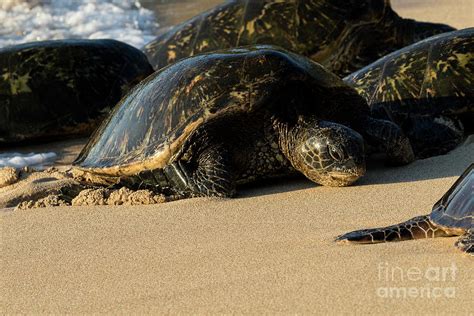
point(270, 250)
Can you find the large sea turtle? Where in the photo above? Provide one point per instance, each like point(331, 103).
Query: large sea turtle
point(343, 35)
point(202, 125)
point(426, 88)
point(62, 88)
point(452, 215)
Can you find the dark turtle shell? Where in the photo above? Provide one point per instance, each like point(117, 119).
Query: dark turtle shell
point(151, 124)
point(343, 35)
point(456, 208)
point(432, 77)
point(62, 88)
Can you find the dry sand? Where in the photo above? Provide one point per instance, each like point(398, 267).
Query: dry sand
point(457, 13)
point(269, 250)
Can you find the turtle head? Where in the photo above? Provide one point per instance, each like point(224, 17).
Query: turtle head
point(328, 153)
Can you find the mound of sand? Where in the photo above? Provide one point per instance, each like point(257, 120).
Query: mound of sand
point(28, 188)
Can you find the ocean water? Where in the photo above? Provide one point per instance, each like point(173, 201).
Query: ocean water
point(18, 160)
point(135, 22)
point(35, 20)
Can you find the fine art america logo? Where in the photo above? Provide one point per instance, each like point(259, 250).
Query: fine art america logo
point(404, 283)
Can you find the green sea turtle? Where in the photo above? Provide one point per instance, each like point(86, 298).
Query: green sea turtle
point(426, 88)
point(206, 123)
point(342, 35)
point(452, 215)
point(62, 88)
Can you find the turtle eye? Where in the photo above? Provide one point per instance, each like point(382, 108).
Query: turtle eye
point(336, 153)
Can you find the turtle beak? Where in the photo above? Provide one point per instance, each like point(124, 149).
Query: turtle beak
point(347, 175)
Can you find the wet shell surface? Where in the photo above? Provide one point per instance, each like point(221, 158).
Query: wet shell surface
point(158, 117)
point(434, 76)
point(56, 89)
point(340, 34)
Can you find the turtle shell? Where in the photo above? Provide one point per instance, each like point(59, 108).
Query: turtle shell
point(343, 35)
point(151, 124)
point(456, 208)
point(52, 89)
point(432, 77)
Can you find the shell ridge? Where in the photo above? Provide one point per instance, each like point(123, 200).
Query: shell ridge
point(296, 22)
point(427, 70)
point(201, 22)
point(379, 82)
point(242, 23)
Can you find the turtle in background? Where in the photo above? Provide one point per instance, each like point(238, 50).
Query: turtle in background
point(64, 88)
point(342, 35)
point(452, 215)
point(426, 88)
point(204, 124)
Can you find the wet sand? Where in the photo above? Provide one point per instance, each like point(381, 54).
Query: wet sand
point(270, 250)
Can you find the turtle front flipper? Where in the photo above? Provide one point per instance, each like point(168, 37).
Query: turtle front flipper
point(387, 137)
point(416, 228)
point(208, 175)
point(466, 242)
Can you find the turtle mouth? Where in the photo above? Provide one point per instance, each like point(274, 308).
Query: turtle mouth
point(339, 178)
point(345, 177)
point(342, 178)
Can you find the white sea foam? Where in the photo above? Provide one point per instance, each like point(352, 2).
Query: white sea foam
point(34, 20)
point(18, 160)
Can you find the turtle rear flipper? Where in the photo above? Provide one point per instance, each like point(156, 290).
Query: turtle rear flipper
point(466, 242)
point(416, 228)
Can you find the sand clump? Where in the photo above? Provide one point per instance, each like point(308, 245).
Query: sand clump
point(48, 201)
point(8, 175)
point(95, 196)
point(91, 197)
point(122, 196)
point(33, 185)
point(28, 188)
